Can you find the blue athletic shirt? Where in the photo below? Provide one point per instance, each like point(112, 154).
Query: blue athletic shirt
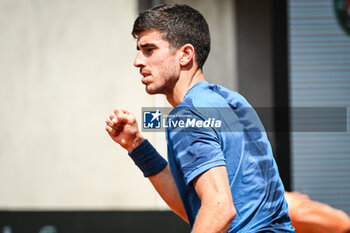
point(240, 144)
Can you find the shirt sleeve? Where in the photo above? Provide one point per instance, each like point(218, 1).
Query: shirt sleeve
point(196, 147)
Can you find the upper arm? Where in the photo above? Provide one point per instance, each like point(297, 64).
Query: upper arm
point(213, 185)
point(217, 210)
point(196, 149)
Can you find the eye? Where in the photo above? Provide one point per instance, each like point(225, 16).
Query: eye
point(148, 51)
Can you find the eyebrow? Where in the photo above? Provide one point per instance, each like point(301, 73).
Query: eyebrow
point(145, 45)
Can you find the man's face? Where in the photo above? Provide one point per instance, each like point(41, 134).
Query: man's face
point(157, 62)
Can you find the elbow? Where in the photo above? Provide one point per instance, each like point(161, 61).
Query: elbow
point(228, 213)
point(226, 209)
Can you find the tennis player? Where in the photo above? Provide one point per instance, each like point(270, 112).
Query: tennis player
point(220, 178)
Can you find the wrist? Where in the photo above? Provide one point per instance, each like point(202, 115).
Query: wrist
point(146, 157)
point(137, 141)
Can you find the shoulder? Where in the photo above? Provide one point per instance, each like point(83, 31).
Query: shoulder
point(207, 100)
point(204, 94)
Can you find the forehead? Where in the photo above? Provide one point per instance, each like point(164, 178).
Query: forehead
point(151, 37)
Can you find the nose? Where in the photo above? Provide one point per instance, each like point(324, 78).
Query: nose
point(139, 60)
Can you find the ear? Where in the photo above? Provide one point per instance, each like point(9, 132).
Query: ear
point(187, 54)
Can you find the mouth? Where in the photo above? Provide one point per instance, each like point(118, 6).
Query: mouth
point(145, 75)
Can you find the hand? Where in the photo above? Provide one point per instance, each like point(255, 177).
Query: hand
point(122, 127)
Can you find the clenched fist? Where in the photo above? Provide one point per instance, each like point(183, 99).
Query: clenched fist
point(122, 127)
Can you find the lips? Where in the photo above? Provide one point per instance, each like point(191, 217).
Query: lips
point(145, 74)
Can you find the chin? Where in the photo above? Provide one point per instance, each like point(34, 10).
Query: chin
point(154, 91)
point(151, 91)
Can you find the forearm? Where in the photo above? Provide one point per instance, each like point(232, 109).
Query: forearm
point(165, 185)
point(214, 218)
point(155, 167)
point(122, 127)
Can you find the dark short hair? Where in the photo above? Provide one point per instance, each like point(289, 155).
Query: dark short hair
point(179, 24)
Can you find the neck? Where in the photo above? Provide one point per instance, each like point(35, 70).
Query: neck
point(185, 82)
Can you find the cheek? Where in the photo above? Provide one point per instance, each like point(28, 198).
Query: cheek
point(172, 66)
point(159, 65)
point(162, 62)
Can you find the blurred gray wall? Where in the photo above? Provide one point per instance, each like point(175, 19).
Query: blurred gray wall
point(64, 66)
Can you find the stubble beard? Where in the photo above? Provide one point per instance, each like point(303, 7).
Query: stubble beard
point(167, 80)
